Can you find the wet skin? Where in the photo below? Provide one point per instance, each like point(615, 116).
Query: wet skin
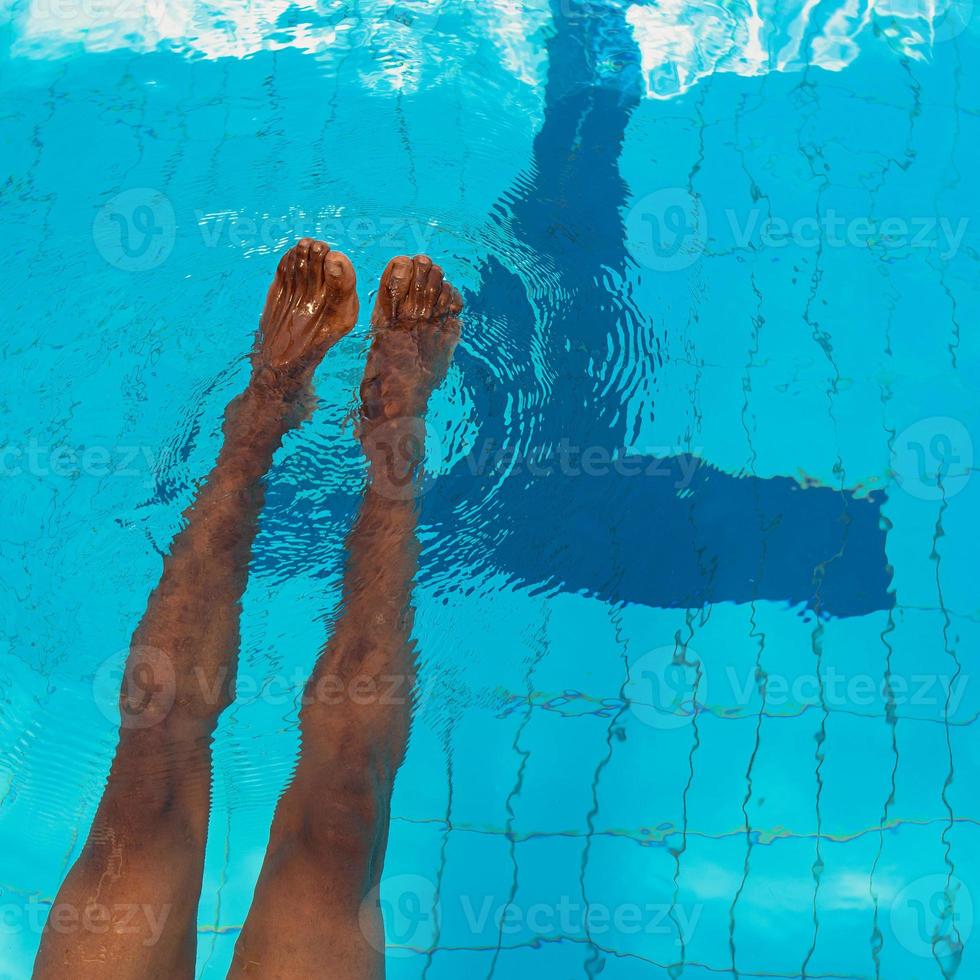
point(128, 908)
point(315, 911)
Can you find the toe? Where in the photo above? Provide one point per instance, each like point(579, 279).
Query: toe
point(301, 262)
point(444, 300)
point(433, 290)
point(340, 272)
point(456, 304)
point(395, 285)
point(318, 252)
point(287, 265)
point(422, 266)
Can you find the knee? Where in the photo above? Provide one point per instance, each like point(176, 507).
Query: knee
point(336, 826)
point(347, 823)
point(160, 786)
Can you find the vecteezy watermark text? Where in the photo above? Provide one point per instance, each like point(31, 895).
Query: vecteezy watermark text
point(35, 458)
point(136, 231)
point(241, 230)
point(567, 459)
point(96, 918)
point(834, 230)
point(673, 228)
point(669, 686)
point(139, 687)
point(412, 911)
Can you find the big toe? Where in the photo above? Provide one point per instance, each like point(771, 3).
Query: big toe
point(395, 288)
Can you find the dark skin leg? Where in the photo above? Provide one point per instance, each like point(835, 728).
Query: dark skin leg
point(128, 908)
point(327, 845)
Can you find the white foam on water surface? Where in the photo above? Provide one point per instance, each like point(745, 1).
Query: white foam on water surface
point(402, 35)
point(681, 41)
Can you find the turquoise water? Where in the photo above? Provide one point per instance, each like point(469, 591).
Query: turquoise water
point(696, 615)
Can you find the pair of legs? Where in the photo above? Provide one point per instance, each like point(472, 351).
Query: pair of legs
point(128, 908)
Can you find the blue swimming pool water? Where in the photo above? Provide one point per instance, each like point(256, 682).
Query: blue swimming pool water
point(697, 614)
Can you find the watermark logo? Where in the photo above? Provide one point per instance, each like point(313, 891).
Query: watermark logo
point(397, 450)
point(668, 230)
point(835, 689)
point(404, 915)
point(136, 230)
point(665, 687)
point(136, 687)
point(933, 459)
point(951, 22)
point(668, 686)
point(932, 917)
point(401, 915)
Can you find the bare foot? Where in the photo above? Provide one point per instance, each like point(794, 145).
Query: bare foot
point(312, 304)
point(416, 328)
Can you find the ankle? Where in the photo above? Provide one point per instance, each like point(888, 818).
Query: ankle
point(277, 385)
